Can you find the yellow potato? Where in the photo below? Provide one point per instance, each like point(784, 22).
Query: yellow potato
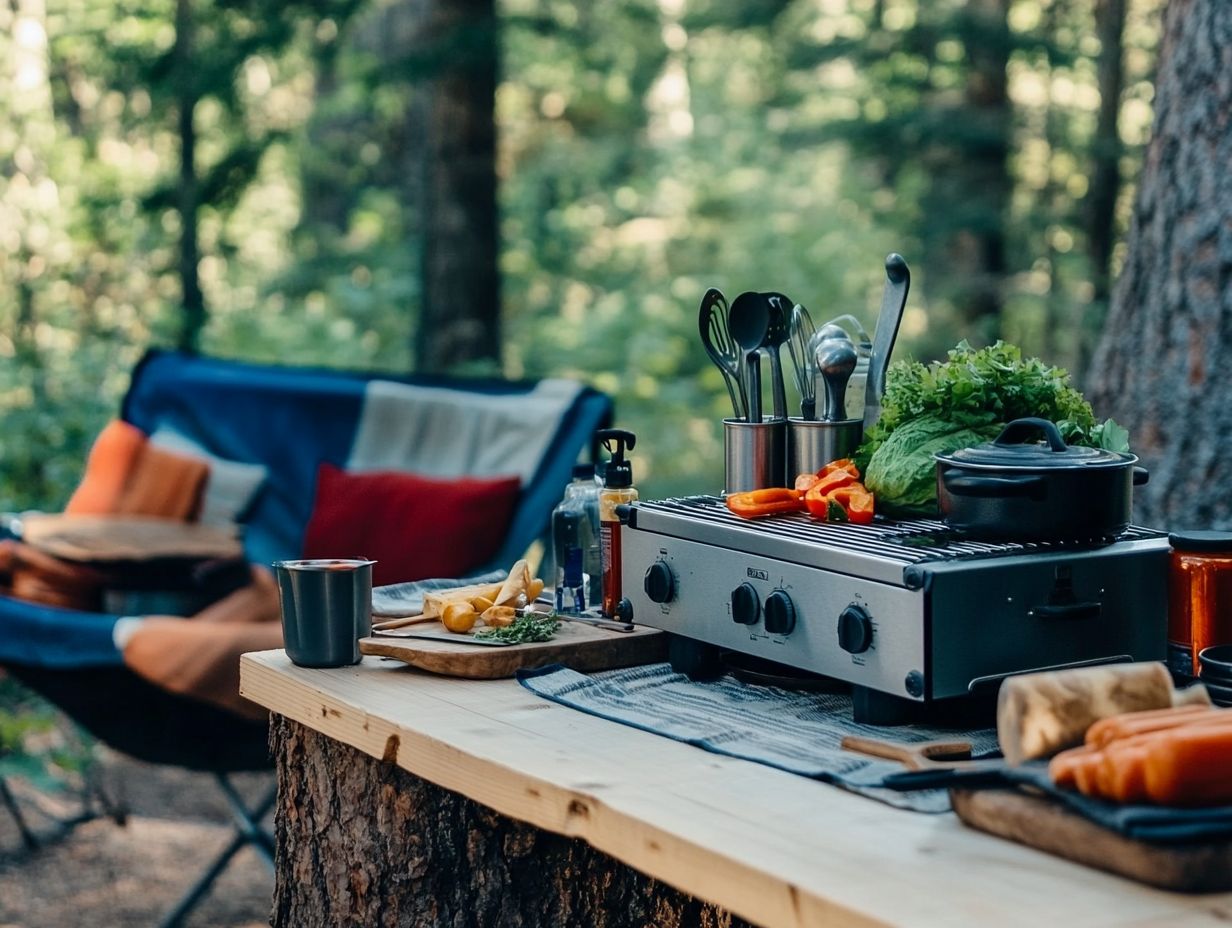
point(482, 603)
point(459, 617)
point(499, 616)
point(435, 603)
point(534, 589)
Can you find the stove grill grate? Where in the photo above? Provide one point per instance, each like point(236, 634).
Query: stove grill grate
point(911, 541)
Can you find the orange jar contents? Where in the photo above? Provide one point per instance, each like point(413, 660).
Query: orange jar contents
point(1199, 597)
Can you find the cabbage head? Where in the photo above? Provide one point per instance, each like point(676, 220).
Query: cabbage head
point(902, 473)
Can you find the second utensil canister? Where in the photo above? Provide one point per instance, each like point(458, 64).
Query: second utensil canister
point(811, 445)
point(754, 454)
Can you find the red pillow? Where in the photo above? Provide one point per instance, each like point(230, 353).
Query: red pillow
point(413, 527)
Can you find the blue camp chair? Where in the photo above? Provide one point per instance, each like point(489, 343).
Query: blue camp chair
point(288, 420)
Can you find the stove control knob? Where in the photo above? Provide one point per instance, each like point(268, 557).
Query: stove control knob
point(745, 604)
point(659, 583)
point(780, 613)
point(855, 629)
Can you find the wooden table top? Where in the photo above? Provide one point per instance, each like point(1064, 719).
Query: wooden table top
point(775, 848)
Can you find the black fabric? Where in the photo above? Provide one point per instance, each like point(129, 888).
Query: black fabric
point(132, 715)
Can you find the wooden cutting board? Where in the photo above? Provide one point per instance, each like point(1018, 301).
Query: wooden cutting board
point(581, 647)
point(1048, 826)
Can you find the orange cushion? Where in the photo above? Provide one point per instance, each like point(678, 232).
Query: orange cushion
point(111, 460)
point(126, 475)
point(414, 527)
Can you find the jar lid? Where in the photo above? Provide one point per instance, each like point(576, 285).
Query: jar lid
point(1201, 540)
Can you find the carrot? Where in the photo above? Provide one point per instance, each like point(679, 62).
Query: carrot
point(1123, 774)
point(1128, 724)
point(1190, 766)
point(1062, 767)
point(1086, 774)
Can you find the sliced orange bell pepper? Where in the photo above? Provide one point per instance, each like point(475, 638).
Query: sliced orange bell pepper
point(756, 503)
point(817, 498)
point(846, 464)
point(857, 501)
point(805, 482)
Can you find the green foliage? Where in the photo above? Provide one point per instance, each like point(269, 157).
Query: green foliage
point(32, 742)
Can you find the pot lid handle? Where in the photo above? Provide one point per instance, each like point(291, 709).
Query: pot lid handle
point(1018, 431)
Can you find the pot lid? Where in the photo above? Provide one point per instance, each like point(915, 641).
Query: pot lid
point(1200, 540)
point(1013, 449)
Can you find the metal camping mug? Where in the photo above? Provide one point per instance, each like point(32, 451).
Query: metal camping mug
point(811, 444)
point(326, 609)
point(754, 454)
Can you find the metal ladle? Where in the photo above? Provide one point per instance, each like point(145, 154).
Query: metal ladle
point(836, 361)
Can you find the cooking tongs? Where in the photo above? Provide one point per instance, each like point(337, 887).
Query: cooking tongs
point(893, 299)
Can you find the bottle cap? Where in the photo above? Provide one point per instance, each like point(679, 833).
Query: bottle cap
point(583, 472)
point(619, 472)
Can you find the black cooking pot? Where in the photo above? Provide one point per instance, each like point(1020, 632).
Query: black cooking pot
point(1014, 489)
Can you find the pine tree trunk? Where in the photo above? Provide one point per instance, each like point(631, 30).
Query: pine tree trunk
point(1162, 364)
point(192, 299)
point(980, 250)
point(460, 309)
point(363, 842)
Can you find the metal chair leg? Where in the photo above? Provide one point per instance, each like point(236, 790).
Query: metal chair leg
point(248, 831)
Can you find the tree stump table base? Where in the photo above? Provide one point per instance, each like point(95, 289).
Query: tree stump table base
point(363, 842)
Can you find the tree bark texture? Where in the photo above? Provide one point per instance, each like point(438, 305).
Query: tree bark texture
point(460, 315)
point(1162, 364)
point(192, 298)
point(363, 842)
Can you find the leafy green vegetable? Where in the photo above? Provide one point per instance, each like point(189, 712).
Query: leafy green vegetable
point(902, 474)
point(963, 401)
point(526, 628)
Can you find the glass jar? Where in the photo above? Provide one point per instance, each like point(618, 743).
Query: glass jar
point(1199, 597)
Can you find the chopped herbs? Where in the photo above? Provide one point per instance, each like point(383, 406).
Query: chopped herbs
point(526, 629)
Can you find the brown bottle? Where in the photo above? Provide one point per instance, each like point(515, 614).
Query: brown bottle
point(617, 490)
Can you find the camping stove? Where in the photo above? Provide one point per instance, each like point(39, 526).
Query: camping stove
point(905, 611)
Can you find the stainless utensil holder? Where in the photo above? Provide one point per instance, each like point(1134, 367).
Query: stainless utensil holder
point(811, 445)
point(754, 454)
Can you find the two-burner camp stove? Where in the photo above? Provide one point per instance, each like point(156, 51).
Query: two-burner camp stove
point(903, 609)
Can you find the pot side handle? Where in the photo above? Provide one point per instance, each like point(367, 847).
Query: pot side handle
point(1141, 476)
point(1031, 486)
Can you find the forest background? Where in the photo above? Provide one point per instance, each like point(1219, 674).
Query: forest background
point(646, 150)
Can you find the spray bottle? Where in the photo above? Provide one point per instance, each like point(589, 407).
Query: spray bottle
point(617, 490)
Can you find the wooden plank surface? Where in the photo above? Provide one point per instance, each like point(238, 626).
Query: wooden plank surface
point(582, 647)
point(775, 848)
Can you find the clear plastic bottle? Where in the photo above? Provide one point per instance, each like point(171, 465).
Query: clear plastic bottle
point(575, 543)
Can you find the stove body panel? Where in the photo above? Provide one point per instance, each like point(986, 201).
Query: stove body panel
point(702, 609)
point(899, 608)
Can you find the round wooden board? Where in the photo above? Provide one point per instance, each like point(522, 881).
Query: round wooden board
point(579, 646)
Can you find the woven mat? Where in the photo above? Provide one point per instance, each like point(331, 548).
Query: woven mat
point(794, 731)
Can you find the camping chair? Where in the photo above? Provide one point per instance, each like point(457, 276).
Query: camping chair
point(288, 421)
